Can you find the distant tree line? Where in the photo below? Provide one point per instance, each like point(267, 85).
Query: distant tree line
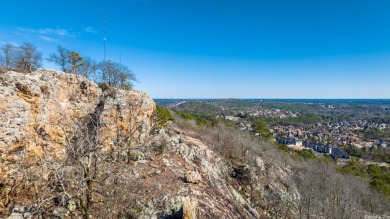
point(24, 58)
point(27, 58)
point(374, 133)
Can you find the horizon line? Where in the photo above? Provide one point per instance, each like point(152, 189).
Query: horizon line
point(267, 98)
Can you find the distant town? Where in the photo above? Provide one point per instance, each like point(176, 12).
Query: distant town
point(340, 128)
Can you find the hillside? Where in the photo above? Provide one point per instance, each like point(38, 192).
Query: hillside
point(69, 149)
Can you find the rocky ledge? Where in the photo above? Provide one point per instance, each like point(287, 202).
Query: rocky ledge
point(37, 109)
point(117, 168)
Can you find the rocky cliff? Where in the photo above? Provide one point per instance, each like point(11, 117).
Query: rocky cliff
point(37, 109)
point(47, 172)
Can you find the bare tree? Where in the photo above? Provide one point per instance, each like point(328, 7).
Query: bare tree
point(125, 77)
point(61, 58)
point(8, 52)
point(88, 68)
point(84, 149)
point(35, 182)
point(28, 58)
point(116, 74)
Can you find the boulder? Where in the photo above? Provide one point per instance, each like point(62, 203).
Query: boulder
point(192, 177)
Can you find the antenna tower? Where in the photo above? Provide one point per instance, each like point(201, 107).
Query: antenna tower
point(105, 33)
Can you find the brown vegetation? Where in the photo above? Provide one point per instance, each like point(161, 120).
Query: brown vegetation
point(323, 192)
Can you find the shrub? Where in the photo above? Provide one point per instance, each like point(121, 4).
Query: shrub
point(354, 167)
point(260, 127)
point(104, 86)
point(45, 89)
point(283, 147)
point(161, 117)
point(242, 174)
point(127, 86)
point(307, 154)
point(186, 116)
point(381, 186)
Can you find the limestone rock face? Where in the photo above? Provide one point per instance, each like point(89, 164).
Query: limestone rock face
point(37, 109)
point(189, 208)
point(169, 174)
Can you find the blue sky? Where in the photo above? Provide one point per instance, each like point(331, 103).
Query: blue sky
point(222, 49)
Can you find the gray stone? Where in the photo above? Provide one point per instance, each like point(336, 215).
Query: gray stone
point(61, 212)
point(72, 205)
point(15, 215)
point(192, 177)
point(166, 162)
point(141, 162)
point(260, 163)
point(154, 166)
point(254, 213)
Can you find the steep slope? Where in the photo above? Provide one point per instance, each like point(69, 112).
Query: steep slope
point(37, 111)
point(69, 149)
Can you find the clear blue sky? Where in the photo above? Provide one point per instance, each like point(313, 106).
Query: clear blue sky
point(222, 48)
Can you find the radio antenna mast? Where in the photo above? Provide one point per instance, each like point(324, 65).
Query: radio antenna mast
point(120, 65)
point(104, 72)
point(105, 33)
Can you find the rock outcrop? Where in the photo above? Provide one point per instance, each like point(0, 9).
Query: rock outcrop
point(189, 208)
point(37, 110)
point(168, 174)
point(192, 177)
